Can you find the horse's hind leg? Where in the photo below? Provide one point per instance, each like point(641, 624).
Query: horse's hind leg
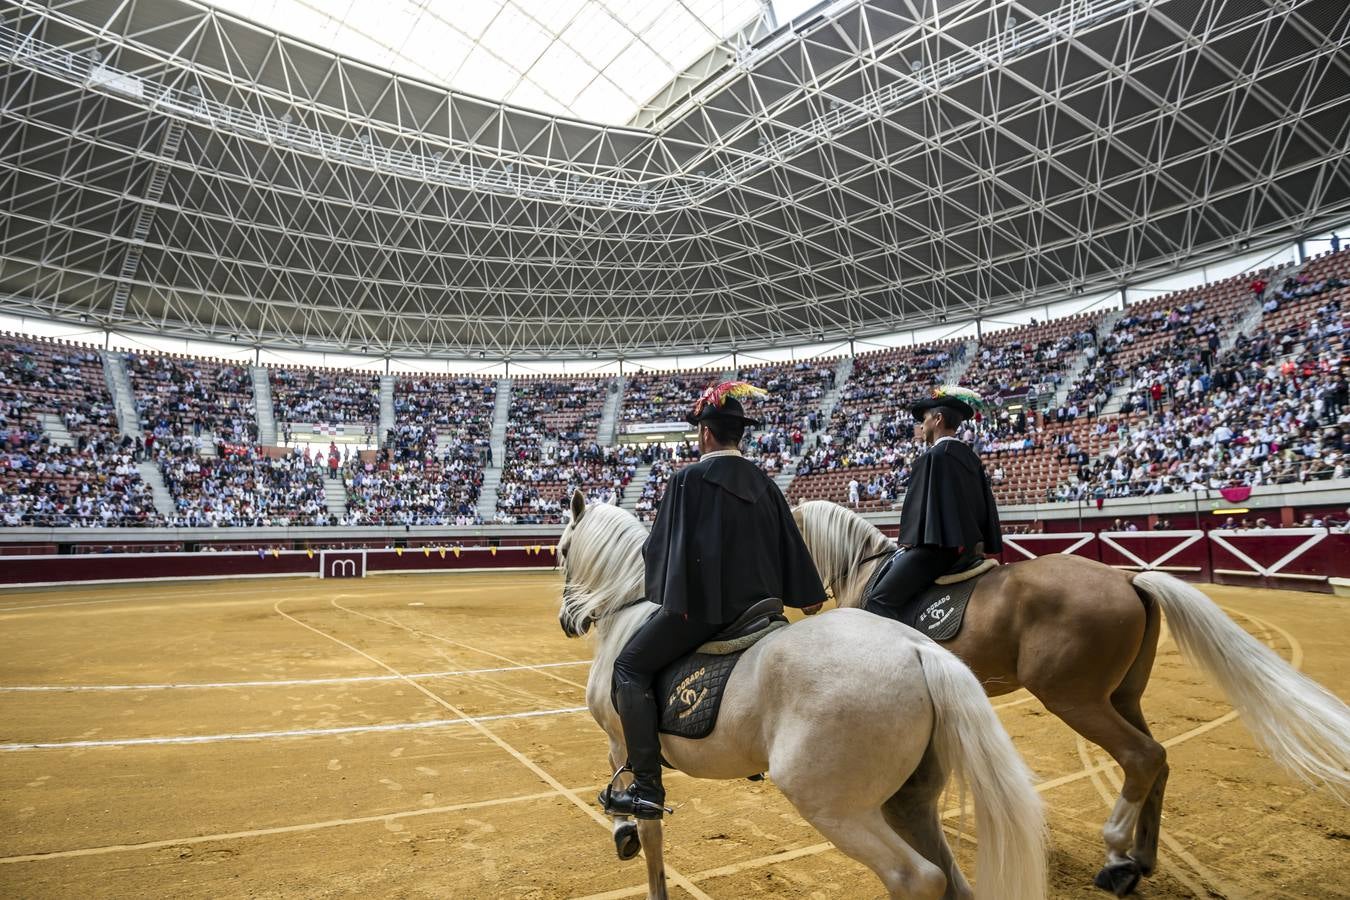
point(1125, 699)
point(865, 836)
point(1141, 758)
point(913, 813)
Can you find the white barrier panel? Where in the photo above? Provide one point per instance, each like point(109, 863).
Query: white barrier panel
point(1032, 546)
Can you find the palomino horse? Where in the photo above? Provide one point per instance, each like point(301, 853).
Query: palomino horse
point(857, 721)
point(1081, 636)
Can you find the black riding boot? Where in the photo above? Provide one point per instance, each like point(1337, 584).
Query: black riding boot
point(909, 574)
point(645, 798)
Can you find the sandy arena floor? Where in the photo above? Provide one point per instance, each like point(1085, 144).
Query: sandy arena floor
point(299, 738)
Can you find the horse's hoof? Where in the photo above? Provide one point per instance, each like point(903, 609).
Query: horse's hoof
point(1119, 878)
point(756, 777)
point(626, 841)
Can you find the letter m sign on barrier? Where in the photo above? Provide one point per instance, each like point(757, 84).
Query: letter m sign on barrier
point(342, 564)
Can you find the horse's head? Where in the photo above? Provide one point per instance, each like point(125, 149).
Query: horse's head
point(601, 556)
point(838, 540)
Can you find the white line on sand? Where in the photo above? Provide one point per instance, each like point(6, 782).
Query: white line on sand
point(299, 732)
point(290, 682)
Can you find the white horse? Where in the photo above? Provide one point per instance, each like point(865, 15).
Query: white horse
point(858, 720)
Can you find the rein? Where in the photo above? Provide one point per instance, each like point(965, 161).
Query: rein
point(871, 557)
point(878, 555)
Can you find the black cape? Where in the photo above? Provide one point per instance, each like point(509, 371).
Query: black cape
point(723, 540)
point(949, 502)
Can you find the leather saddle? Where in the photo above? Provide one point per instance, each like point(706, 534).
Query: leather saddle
point(939, 609)
point(749, 627)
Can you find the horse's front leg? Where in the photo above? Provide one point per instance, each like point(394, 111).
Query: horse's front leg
point(627, 842)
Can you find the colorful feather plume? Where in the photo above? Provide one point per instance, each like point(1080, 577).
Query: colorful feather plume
point(956, 392)
point(718, 394)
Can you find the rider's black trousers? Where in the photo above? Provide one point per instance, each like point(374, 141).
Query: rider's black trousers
point(911, 572)
point(664, 638)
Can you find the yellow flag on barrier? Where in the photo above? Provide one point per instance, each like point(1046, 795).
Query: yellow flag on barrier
point(442, 552)
point(456, 553)
point(494, 551)
point(275, 553)
point(426, 551)
point(398, 551)
point(553, 550)
point(309, 553)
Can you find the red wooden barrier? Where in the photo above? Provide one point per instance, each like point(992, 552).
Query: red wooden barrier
point(1184, 554)
point(1291, 558)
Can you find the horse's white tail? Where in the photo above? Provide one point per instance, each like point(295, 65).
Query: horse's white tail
point(1010, 861)
point(1303, 726)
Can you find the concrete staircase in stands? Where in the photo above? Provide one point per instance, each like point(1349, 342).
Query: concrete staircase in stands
point(119, 385)
point(843, 370)
point(958, 367)
point(159, 491)
point(386, 407)
point(608, 431)
point(262, 404)
point(492, 475)
point(334, 496)
point(1080, 365)
point(1248, 322)
point(56, 430)
point(633, 493)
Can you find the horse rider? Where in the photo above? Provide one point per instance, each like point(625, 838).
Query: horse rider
point(949, 510)
point(723, 540)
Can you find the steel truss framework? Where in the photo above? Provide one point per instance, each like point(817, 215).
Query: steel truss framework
point(878, 166)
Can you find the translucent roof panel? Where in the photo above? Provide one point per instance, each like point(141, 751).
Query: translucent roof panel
point(598, 60)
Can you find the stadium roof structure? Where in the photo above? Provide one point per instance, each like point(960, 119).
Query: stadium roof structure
point(170, 167)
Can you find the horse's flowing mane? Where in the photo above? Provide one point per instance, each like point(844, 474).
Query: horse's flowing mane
point(603, 564)
point(838, 540)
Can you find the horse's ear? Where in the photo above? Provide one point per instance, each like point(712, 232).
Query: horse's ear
point(578, 505)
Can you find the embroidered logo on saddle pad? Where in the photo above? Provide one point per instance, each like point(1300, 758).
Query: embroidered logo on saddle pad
point(690, 690)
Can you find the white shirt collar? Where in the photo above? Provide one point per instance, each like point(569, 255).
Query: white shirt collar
point(717, 453)
point(945, 437)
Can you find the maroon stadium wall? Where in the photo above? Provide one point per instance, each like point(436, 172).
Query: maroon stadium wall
point(1289, 558)
point(111, 567)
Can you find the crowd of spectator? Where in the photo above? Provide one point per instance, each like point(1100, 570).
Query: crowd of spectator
point(538, 489)
point(383, 489)
point(552, 446)
point(457, 409)
point(1031, 360)
point(178, 396)
point(1259, 416)
point(1146, 351)
point(324, 397)
point(650, 397)
point(1193, 416)
point(664, 462)
point(43, 484)
point(243, 486)
point(93, 482)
